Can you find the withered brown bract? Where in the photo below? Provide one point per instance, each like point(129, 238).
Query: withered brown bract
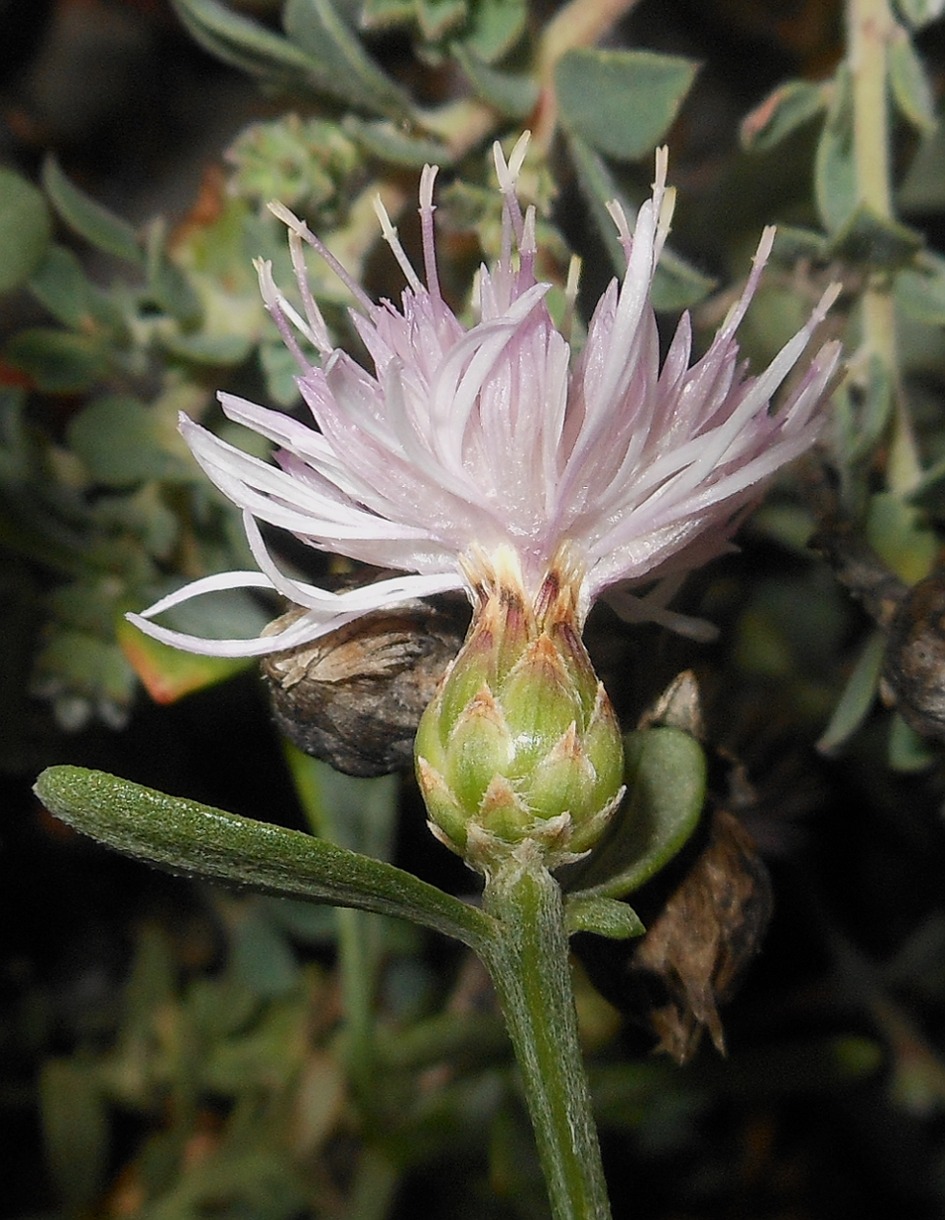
point(697, 945)
point(913, 675)
point(914, 665)
point(354, 697)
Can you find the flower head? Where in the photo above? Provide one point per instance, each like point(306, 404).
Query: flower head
point(465, 440)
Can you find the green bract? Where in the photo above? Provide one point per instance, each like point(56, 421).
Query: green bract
point(520, 741)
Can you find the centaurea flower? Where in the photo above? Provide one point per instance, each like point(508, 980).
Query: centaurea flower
point(492, 459)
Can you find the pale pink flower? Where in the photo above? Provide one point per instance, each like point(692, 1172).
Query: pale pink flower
point(464, 440)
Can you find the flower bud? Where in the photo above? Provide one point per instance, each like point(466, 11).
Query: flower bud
point(520, 741)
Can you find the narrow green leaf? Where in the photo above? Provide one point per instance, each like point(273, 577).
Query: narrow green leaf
point(907, 751)
point(863, 406)
point(858, 696)
point(197, 840)
point(25, 229)
point(790, 106)
point(665, 773)
point(603, 916)
point(835, 189)
point(909, 83)
point(355, 813)
point(100, 227)
point(348, 71)
point(246, 44)
point(621, 102)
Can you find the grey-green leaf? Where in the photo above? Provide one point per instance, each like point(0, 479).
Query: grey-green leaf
point(60, 285)
point(197, 840)
point(122, 442)
point(246, 44)
point(920, 289)
point(621, 102)
point(100, 227)
point(25, 228)
point(858, 696)
point(389, 143)
point(665, 773)
point(835, 188)
point(790, 106)
point(909, 82)
point(511, 93)
point(348, 71)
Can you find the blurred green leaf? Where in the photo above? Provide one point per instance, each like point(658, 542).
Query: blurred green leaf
point(261, 956)
point(513, 94)
point(58, 361)
point(909, 82)
point(858, 695)
point(437, 18)
point(867, 237)
point(862, 407)
point(61, 286)
point(349, 72)
point(383, 14)
point(168, 286)
point(25, 229)
point(359, 814)
point(246, 44)
point(101, 228)
point(493, 28)
point(75, 1130)
point(168, 674)
point(790, 106)
point(85, 663)
point(280, 372)
point(665, 774)
point(122, 442)
point(197, 840)
point(901, 536)
point(920, 289)
point(835, 189)
point(908, 752)
point(389, 143)
point(208, 349)
point(919, 12)
point(621, 102)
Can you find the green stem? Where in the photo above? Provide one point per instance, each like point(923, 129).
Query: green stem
point(870, 27)
point(528, 962)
